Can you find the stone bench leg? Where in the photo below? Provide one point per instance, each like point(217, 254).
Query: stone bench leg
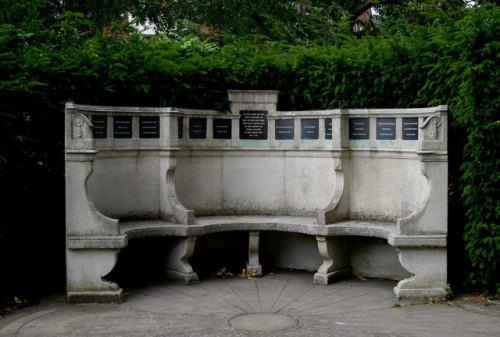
point(85, 271)
point(429, 268)
point(177, 264)
point(336, 260)
point(253, 265)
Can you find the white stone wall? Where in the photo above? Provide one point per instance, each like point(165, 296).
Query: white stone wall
point(385, 188)
point(275, 183)
point(126, 187)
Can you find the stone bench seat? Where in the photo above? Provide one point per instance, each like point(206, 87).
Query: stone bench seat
point(332, 249)
point(292, 224)
point(218, 224)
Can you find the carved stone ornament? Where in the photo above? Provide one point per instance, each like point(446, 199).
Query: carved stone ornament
point(432, 127)
point(81, 127)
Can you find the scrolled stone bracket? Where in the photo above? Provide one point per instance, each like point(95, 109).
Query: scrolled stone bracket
point(171, 208)
point(337, 209)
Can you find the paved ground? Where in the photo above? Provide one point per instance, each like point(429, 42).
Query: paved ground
point(348, 308)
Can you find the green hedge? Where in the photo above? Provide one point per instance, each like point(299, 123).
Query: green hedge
point(451, 62)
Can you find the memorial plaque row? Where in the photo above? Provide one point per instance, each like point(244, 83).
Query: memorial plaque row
point(254, 125)
point(149, 127)
point(359, 128)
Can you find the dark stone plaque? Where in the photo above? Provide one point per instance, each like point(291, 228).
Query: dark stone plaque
point(386, 128)
point(197, 128)
point(100, 129)
point(309, 128)
point(253, 124)
point(180, 127)
point(410, 128)
point(122, 127)
point(149, 127)
point(359, 128)
point(222, 128)
point(284, 129)
point(328, 128)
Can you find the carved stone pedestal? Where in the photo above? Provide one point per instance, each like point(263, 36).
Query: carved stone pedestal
point(336, 260)
point(253, 265)
point(177, 264)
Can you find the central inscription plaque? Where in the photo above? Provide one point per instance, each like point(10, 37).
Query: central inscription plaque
point(222, 128)
point(284, 129)
point(253, 124)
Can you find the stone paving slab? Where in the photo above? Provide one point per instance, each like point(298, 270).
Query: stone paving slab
point(348, 308)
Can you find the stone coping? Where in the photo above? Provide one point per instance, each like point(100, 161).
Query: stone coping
point(136, 110)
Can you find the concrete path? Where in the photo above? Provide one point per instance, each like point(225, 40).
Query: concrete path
point(217, 307)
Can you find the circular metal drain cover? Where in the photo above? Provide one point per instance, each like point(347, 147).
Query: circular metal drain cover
point(263, 322)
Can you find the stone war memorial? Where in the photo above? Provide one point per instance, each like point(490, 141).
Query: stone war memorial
point(341, 192)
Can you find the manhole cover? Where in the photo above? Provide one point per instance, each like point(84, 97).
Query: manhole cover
point(263, 322)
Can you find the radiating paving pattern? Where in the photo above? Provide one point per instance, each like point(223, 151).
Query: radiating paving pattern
point(348, 308)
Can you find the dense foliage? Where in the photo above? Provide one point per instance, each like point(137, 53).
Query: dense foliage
point(46, 60)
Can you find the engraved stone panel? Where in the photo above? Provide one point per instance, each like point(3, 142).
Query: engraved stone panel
point(309, 128)
point(122, 127)
point(410, 128)
point(328, 128)
point(386, 128)
point(284, 129)
point(222, 128)
point(197, 128)
point(359, 128)
point(149, 127)
point(100, 129)
point(180, 127)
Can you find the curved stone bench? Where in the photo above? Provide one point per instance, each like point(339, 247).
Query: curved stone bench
point(177, 176)
point(332, 250)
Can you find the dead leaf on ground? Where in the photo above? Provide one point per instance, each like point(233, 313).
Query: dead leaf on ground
point(223, 273)
point(249, 275)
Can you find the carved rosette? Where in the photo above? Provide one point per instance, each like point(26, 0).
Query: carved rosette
point(432, 127)
point(81, 127)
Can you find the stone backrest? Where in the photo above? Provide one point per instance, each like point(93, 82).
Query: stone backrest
point(367, 164)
